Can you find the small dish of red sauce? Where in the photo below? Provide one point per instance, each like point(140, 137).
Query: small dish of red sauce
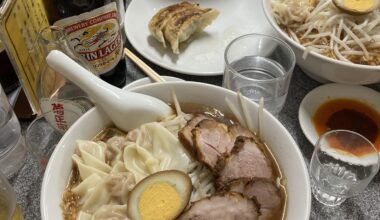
point(337, 106)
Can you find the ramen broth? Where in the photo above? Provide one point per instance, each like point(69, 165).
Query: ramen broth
point(70, 201)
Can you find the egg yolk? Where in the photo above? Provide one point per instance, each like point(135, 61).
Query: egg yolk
point(359, 5)
point(159, 201)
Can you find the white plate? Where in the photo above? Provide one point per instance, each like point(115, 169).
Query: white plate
point(321, 94)
point(203, 55)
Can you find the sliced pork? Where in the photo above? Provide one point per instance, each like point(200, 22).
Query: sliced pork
point(185, 135)
point(212, 142)
point(244, 174)
point(237, 130)
point(227, 206)
point(264, 191)
point(246, 160)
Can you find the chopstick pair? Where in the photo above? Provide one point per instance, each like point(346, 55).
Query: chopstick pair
point(144, 67)
point(153, 75)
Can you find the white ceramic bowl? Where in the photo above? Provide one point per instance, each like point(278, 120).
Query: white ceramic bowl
point(322, 94)
point(322, 68)
point(147, 80)
point(274, 133)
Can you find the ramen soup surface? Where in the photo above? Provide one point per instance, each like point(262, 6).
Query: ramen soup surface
point(118, 182)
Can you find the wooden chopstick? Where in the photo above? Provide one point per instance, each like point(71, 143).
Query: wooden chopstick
point(149, 71)
point(153, 75)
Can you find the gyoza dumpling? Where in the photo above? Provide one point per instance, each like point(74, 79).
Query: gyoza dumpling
point(159, 20)
point(183, 24)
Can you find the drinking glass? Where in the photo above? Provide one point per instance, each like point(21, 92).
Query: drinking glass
point(12, 145)
point(61, 101)
point(342, 165)
point(8, 207)
point(41, 138)
point(258, 66)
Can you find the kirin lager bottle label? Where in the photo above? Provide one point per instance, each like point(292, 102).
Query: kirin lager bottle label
point(96, 36)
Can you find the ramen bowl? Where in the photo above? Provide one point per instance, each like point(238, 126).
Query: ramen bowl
point(322, 68)
point(275, 135)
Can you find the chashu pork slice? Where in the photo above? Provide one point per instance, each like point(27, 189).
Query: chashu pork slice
point(246, 160)
point(161, 18)
point(212, 142)
point(185, 135)
point(263, 191)
point(237, 130)
point(227, 206)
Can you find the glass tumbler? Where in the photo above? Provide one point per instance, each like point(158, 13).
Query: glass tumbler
point(12, 145)
point(342, 165)
point(61, 101)
point(258, 66)
point(9, 210)
point(42, 138)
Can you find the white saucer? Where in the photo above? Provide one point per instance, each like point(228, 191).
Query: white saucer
point(321, 94)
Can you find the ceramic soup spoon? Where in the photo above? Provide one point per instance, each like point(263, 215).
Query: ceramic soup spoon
point(127, 110)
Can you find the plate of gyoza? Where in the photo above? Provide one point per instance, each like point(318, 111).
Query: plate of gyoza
point(190, 37)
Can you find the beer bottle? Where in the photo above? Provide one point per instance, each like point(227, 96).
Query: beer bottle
point(93, 31)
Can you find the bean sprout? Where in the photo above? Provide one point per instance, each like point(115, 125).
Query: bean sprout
point(323, 28)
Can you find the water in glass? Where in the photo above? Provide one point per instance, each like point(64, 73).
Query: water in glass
point(258, 68)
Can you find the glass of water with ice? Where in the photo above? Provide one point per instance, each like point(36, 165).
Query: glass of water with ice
point(342, 165)
point(258, 66)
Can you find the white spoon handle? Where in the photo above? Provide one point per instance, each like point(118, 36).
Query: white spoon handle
point(81, 77)
point(118, 104)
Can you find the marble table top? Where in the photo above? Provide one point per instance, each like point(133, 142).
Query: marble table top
point(27, 182)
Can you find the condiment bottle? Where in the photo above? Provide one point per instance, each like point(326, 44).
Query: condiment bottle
point(93, 31)
point(61, 101)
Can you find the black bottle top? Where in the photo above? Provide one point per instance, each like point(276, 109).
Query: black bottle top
point(67, 8)
point(59, 9)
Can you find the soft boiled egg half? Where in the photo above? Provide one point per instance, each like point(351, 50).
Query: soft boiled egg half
point(160, 196)
point(357, 7)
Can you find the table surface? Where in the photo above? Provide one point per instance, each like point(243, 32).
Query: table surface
point(27, 182)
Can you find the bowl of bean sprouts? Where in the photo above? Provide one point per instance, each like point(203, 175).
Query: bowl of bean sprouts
point(330, 45)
